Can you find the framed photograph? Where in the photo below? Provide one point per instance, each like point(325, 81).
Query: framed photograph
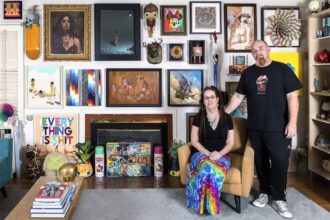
point(173, 20)
point(273, 30)
point(67, 32)
point(196, 51)
point(44, 87)
point(12, 9)
point(175, 52)
point(240, 27)
point(184, 87)
point(240, 60)
point(241, 111)
point(117, 32)
point(205, 17)
point(189, 120)
point(51, 130)
point(134, 87)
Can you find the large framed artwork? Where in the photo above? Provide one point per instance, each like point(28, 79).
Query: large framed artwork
point(184, 87)
point(56, 130)
point(134, 87)
point(205, 17)
point(241, 110)
point(173, 20)
point(240, 27)
point(117, 32)
point(280, 26)
point(67, 32)
point(44, 87)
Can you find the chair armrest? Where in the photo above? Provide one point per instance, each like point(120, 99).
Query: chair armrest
point(183, 156)
point(247, 169)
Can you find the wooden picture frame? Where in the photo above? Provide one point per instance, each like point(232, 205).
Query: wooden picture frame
point(184, 87)
point(240, 27)
point(134, 88)
point(175, 52)
point(67, 32)
point(205, 17)
point(241, 110)
point(12, 9)
point(190, 116)
point(173, 20)
point(196, 51)
point(44, 87)
point(117, 32)
point(268, 12)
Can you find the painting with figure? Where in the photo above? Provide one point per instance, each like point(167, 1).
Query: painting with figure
point(240, 28)
point(184, 87)
point(44, 88)
point(241, 110)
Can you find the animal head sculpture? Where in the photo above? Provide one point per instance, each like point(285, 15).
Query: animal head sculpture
point(154, 51)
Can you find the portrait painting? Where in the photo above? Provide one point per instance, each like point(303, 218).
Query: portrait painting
point(133, 88)
point(184, 87)
point(280, 26)
point(12, 9)
point(241, 110)
point(173, 20)
point(67, 32)
point(44, 87)
point(175, 52)
point(117, 32)
point(240, 27)
point(205, 17)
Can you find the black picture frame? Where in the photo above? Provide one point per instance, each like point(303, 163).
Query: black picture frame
point(117, 32)
point(12, 9)
point(196, 51)
point(133, 87)
point(178, 13)
point(270, 10)
point(175, 52)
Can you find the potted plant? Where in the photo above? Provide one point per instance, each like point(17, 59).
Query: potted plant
point(84, 153)
point(173, 151)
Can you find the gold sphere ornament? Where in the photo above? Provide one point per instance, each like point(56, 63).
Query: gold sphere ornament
point(67, 172)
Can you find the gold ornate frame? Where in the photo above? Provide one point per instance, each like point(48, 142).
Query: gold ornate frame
point(50, 12)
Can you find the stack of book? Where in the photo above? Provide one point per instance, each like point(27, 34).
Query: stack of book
point(53, 202)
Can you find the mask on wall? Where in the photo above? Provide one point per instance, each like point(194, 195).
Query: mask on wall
point(154, 51)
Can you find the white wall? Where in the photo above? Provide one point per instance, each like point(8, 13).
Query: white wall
point(179, 113)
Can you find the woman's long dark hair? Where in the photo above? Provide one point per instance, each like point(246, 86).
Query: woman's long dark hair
point(202, 110)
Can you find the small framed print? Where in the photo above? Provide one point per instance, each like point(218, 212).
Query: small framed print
point(12, 9)
point(196, 51)
point(173, 20)
point(240, 60)
point(175, 52)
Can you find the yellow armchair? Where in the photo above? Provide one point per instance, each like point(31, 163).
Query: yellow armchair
point(240, 176)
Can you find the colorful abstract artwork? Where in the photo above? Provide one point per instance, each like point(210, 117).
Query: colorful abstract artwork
point(173, 20)
point(12, 9)
point(83, 87)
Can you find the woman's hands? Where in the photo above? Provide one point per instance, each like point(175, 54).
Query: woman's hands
point(215, 155)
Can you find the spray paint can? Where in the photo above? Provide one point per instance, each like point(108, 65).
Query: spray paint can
point(99, 161)
point(158, 161)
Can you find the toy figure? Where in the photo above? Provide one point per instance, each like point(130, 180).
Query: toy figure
point(150, 13)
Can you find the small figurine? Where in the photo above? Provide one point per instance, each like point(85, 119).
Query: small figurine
point(150, 13)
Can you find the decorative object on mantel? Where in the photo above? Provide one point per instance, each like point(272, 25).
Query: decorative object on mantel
point(314, 6)
point(84, 153)
point(326, 165)
point(173, 151)
point(53, 162)
point(322, 56)
point(32, 32)
point(154, 51)
point(67, 172)
point(150, 13)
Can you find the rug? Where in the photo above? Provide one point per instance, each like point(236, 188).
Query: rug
point(169, 204)
point(7, 204)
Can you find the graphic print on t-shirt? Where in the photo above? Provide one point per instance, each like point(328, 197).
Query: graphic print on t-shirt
point(262, 84)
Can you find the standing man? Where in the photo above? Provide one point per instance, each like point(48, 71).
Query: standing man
point(270, 88)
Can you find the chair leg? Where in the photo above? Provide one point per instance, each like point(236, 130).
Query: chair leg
point(238, 204)
point(4, 192)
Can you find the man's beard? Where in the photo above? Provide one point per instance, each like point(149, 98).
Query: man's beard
point(261, 61)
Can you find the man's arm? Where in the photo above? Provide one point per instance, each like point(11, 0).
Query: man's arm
point(234, 102)
point(293, 105)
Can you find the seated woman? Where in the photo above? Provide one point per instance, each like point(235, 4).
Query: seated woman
point(212, 136)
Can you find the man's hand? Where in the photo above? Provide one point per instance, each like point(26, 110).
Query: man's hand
point(290, 130)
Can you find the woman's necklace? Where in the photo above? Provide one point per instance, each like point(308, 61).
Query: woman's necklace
point(213, 120)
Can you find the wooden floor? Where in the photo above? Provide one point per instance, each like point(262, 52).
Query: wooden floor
point(317, 190)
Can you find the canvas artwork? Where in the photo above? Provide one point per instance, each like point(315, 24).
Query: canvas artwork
point(12, 9)
point(241, 111)
point(56, 130)
point(44, 87)
point(83, 87)
point(184, 87)
point(173, 20)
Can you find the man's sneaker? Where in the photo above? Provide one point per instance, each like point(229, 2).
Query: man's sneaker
point(281, 208)
point(261, 201)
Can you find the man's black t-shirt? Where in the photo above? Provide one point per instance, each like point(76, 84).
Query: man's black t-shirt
point(214, 140)
point(266, 89)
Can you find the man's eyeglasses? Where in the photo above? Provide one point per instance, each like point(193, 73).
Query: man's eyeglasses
point(210, 97)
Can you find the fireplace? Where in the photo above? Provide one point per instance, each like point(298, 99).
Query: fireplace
point(155, 128)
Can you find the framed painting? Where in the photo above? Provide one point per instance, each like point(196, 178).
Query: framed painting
point(52, 130)
point(277, 33)
point(134, 88)
point(189, 120)
point(117, 32)
point(196, 51)
point(241, 111)
point(184, 87)
point(12, 9)
point(175, 52)
point(67, 32)
point(44, 87)
point(173, 20)
point(240, 27)
point(205, 17)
